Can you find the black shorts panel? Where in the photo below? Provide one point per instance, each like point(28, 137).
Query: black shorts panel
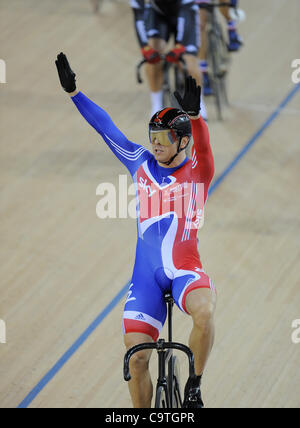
point(185, 27)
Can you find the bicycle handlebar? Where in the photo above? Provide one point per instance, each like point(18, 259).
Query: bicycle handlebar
point(160, 346)
point(138, 70)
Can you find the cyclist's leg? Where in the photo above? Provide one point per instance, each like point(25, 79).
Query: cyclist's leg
point(154, 73)
point(158, 34)
point(225, 10)
point(195, 294)
point(235, 41)
point(201, 303)
point(144, 315)
point(140, 385)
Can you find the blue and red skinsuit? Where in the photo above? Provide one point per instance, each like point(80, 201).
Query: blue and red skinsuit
point(170, 203)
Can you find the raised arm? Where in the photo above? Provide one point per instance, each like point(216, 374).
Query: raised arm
point(202, 157)
point(130, 154)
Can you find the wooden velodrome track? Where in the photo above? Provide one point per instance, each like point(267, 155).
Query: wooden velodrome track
point(62, 267)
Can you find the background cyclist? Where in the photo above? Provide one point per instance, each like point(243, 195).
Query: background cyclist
point(234, 40)
point(155, 22)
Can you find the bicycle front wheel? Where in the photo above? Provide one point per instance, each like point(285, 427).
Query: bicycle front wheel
point(161, 401)
point(167, 95)
point(175, 384)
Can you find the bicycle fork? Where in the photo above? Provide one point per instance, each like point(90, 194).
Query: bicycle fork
point(163, 356)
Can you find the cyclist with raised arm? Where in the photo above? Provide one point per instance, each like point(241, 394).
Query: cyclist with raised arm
point(155, 22)
point(234, 39)
point(167, 258)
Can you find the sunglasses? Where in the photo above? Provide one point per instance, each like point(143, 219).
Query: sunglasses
point(165, 137)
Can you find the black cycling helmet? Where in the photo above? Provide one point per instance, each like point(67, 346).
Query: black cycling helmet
point(173, 119)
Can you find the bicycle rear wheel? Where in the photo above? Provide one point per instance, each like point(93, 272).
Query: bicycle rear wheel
point(215, 75)
point(223, 61)
point(219, 60)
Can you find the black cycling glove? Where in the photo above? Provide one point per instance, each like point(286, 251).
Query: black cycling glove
point(66, 75)
point(190, 102)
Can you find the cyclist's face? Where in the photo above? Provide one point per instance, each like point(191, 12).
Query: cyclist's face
point(163, 153)
point(163, 145)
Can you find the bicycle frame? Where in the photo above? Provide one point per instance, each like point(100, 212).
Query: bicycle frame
point(165, 354)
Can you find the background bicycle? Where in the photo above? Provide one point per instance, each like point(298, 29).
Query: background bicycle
point(218, 57)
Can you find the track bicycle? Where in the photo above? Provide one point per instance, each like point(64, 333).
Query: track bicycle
point(218, 56)
point(168, 391)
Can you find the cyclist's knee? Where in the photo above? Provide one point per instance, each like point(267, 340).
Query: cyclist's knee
point(157, 44)
point(139, 362)
point(202, 308)
point(203, 316)
point(202, 26)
